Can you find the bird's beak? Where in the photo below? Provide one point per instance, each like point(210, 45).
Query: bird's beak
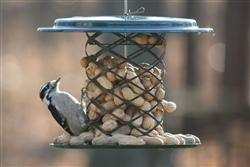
point(58, 80)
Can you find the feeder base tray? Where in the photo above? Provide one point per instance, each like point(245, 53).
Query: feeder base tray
point(160, 147)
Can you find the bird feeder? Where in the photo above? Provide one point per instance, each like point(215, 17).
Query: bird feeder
point(124, 92)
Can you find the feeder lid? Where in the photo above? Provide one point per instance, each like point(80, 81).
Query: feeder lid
point(125, 24)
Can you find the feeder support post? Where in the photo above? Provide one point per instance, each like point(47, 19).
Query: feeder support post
point(125, 7)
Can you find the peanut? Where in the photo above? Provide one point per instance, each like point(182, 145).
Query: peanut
point(91, 87)
point(138, 132)
point(121, 73)
point(197, 140)
point(92, 115)
point(162, 45)
point(188, 139)
point(138, 87)
point(152, 140)
point(99, 110)
point(103, 140)
point(148, 122)
point(141, 39)
point(103, 80)
point(153, 39)
point(169, 140)
point(182, 141)
point(98, 95)
point(56, 140)
point(89, 73)
point(150, 95)
point(63, 139)
point(117, 112)
point(156, 80)
point(87, 136)
point(75, 140)
point(159, 129)
point(106, 117)
point(137, 121)
point(153, 133)
point(106, 62)
point(109, 105)
point(128, 94)
point(130, 110)
point(158, 114)
point(85, 60)
point(125, 130)
point(146, 82)
point(145, 69)
point(159, 94)
point(118, 136)
point(167, 105)
point(130, 140)
point(100, 140)
point(157, 71)
point(92, 67)
point(120, 62)
point(93, 107)
point(109, 125)
point(111, 75)
point(153, 105)
point(108, 96)
point(145, 107)
point(98, 132)
point(126, 118)
point(89, 95)
point(102, 59)
point(119, 101)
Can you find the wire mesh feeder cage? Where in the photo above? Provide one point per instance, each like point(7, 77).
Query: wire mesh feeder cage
point(124, 96)
point(117, 84)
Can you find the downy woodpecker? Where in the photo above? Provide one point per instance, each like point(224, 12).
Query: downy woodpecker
point(65, 109)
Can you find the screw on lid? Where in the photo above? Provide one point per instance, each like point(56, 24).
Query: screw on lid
point(125, 24)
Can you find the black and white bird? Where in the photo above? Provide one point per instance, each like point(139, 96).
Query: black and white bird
point(66, 110)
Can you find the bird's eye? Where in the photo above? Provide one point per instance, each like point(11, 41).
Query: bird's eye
point(48, 86)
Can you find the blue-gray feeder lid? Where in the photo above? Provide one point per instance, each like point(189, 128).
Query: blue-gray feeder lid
point(125, 24)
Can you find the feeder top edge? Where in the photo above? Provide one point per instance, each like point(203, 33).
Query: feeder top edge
point(125, 24)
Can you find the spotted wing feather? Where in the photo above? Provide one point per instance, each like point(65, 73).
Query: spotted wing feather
point(60, 119)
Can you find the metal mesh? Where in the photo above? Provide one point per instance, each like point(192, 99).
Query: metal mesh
point(127, 100)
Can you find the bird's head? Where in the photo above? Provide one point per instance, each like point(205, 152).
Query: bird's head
point(48, 89)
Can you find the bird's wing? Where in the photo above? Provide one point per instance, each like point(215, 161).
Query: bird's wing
point(82, 115)
point(60, 119)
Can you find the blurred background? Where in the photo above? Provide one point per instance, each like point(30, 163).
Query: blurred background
point(207, 77)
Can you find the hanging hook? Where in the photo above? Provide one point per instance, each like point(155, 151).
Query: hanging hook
point(140, 10)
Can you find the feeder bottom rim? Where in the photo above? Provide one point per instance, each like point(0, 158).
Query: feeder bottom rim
point(67, 146)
